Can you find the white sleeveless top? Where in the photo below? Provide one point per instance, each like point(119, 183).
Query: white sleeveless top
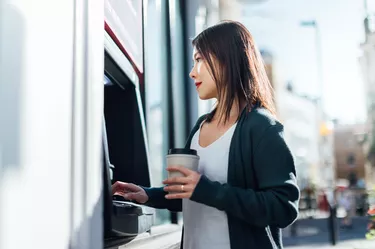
point(207, 227)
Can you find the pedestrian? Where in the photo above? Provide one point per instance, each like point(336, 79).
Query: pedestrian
point(245, 188)
point(370, 235)
point(347, 203)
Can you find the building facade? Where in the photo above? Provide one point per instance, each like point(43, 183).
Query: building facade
point(310, 139)
point(299, 116)
point(349, 154)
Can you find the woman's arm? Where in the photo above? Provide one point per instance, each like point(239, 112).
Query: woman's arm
point(156, 199)
point(276, 200)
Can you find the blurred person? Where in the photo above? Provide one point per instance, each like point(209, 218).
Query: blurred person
point(309, 200)
point(371, 226)
point(245, 188)
point(347, 203)
point(325, 197)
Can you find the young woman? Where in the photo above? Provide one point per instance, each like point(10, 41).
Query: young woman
point(245, 190)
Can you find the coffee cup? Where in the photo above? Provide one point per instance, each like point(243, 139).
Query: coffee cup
point(187, 158)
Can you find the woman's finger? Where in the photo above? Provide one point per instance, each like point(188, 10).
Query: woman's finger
point(180, 169)
point(127, 195)
point(184, 195)
point(119, 193)
point(176, 180)
point(130, 187)
point(130, 196)
point(178, 188)
point(124, 187)
point(116, 187)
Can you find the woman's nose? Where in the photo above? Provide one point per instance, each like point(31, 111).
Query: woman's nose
point(192, 74)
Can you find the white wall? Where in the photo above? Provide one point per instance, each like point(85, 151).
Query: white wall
point(50, 116)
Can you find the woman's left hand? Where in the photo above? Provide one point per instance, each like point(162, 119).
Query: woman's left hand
point(184, 185)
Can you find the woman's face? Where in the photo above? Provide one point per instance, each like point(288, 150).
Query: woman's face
point(202, 77)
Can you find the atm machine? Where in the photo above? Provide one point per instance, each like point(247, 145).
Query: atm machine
point(125, 154)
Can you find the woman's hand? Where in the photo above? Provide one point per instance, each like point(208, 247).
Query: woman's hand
point(130, 192)
point(184, 185)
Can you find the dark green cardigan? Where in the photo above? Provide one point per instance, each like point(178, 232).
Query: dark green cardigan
point(261, 195)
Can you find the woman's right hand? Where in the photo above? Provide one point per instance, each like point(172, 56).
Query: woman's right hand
point(130, 192)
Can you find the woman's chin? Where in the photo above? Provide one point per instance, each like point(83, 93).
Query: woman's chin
point(203, 96)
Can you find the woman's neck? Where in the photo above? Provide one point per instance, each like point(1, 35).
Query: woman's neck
point(233, 114)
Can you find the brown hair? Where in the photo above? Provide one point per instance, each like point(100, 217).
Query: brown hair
point(239, 72)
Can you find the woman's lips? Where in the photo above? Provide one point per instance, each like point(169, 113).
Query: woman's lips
point(197, 84)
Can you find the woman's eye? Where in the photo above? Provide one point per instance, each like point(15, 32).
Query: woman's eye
point(198, 59)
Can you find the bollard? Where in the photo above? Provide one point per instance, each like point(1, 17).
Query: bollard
point(332, 224)
point(293, 229)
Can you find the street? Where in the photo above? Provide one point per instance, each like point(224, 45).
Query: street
point(313, 233)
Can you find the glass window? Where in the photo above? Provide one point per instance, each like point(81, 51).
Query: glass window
point(206, 16)
point(155, 80)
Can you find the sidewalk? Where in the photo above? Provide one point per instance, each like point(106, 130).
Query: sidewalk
point(353, 244)
point(166, 236)
point(315, 233)
point(318, 214)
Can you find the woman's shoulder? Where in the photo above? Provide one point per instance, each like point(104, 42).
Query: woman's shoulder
point(260, 123)
point(261, 119)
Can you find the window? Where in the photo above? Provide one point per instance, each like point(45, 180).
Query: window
point(156, 97)
point(350, 160)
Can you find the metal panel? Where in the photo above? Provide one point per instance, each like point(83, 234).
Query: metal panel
point(51, 57)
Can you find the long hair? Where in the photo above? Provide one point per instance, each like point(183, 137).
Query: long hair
point(236, 66)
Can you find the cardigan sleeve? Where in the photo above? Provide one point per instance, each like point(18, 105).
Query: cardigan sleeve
point(156, 199)
point(275, 202)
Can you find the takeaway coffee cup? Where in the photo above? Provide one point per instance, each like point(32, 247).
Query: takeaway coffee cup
point(187, 158)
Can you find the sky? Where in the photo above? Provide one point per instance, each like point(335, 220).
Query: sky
point(276, 27)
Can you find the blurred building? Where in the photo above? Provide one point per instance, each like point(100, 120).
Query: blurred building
point(299, 116)
point(327, 154)
point(349, 154)
point(268, 64)
point(310, 139)
point(367, 63)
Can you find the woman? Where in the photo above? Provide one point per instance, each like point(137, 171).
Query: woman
point(245, 189)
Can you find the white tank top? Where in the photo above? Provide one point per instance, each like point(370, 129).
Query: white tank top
point(207, 227)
